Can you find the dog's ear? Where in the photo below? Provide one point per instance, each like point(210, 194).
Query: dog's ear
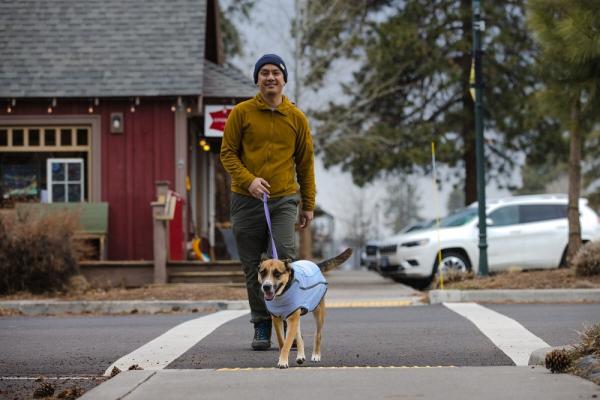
point(288, 263)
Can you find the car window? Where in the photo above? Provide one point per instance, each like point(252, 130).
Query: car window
point(542, 212)
point(503, 216)
point(459, 218)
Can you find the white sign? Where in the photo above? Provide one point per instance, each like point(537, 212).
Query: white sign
point(214, 120)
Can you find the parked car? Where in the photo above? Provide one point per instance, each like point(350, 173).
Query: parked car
point(526, 231)
point(368, 257)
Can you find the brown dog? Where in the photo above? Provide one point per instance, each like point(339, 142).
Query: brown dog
point(292, 289)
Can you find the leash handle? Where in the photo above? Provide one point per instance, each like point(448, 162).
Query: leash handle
point(268, 216)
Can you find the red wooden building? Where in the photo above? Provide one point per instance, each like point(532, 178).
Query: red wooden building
point(116, 92)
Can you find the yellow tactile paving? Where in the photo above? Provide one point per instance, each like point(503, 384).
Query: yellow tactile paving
point(342, 367)
point(369, 303)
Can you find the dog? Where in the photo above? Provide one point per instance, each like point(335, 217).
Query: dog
point(292, 289)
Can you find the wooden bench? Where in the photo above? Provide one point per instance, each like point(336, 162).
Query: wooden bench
point(93, 219)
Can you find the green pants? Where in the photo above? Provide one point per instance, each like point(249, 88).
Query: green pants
point(252, 238)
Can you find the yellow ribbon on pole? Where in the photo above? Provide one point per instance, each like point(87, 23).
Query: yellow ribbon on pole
point(437, 218)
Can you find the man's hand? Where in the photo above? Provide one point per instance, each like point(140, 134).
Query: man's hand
point(258, 187)
point(305, 218)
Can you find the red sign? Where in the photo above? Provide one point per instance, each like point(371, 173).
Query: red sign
point(216, 116)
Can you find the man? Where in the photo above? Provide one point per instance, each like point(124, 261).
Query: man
point(267, 149)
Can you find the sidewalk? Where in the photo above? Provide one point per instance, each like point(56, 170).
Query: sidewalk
point(354, 288)
point(443, 383)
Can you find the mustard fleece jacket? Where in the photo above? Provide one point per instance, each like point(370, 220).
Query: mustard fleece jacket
point(275, 145)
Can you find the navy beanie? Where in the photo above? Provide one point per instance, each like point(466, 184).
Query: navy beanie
point(270, 59)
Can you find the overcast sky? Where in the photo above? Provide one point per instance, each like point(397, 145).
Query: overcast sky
point(269, 32)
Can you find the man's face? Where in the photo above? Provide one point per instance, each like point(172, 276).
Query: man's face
point(270, 80)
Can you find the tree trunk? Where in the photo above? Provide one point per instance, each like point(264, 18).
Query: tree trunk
point(574, 183)
point(468, 128)
point(305, 239)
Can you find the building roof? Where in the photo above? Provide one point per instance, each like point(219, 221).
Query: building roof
point(102, 48)
point(226, 81)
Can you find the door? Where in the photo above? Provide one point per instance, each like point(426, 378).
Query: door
point(544, 234)
point(504, 245)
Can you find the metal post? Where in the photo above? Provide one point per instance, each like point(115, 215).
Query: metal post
point(478, 27)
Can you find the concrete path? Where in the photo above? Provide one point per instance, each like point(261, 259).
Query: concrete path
point(445, 383)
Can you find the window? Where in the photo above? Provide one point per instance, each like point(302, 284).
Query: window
point(24, 155)
point(65, 180)
point(542, 212)
point(503, 216)
point(459, 218)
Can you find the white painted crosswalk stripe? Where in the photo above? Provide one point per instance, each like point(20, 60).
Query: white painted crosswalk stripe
point(507, 334)
point(163, 350)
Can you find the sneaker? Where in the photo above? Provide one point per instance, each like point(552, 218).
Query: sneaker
point(262, 335)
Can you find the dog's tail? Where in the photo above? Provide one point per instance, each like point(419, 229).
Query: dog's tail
point(336, 261)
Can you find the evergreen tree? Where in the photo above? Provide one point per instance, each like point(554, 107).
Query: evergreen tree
point(412, 86)
point(569, 34)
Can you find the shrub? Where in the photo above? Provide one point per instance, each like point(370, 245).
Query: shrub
point(38, 252)
point(587, 259)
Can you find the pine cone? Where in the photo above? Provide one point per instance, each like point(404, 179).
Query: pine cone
point(44, 390)
point(557, 361)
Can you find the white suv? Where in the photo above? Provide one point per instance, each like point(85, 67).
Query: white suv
point(523, 231)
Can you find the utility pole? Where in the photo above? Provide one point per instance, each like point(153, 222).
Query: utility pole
point(478, 28)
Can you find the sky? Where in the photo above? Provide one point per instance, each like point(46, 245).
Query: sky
point(268, 31)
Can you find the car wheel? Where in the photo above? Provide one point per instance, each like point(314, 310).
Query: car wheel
point(453, 261)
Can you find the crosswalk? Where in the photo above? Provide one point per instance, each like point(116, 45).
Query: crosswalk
point(508, 335)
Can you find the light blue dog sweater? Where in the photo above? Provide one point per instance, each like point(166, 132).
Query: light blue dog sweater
point(305, 293)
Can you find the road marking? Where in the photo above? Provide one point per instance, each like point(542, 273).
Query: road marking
point(160, 352)
point(47, 378)
point(344, 367)
point(368, 303)
point(506, 333)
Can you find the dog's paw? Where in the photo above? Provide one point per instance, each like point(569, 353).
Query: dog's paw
point(300, 360)
point(316, 358)
point(282, 365)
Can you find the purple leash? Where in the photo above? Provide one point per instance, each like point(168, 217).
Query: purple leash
point(269, 225)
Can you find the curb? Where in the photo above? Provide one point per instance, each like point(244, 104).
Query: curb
point(516, 296)
point(538, 357)
point(51, 307)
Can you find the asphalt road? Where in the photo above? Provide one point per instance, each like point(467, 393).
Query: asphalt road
point(401, 336)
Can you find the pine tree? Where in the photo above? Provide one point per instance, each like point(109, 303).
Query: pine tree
point(569, 34)
point(412, 86)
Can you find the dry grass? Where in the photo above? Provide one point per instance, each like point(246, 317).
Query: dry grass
point(539, 279)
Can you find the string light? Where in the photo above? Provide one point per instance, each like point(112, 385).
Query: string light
point(136, 103)
point(50, 110)
point(90, 109)
point(173, 108)
point(10, 107)
point(206, 147)
point(202, 142)
point(189, 110)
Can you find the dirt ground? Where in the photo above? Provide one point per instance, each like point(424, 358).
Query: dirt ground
point(544, 279)
point(563, 278)
point(175, 291)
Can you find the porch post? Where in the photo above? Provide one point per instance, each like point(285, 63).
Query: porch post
point(160, 232)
